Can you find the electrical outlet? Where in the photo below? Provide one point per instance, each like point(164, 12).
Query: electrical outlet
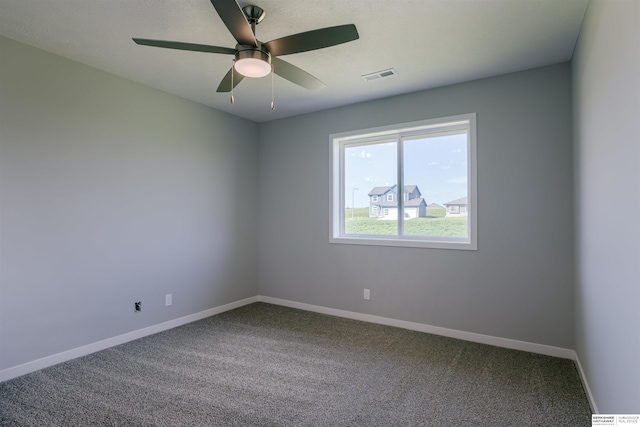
point(137, 306)
point(168, 300)
point(367, 294)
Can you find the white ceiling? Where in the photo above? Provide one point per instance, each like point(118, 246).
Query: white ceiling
point(430, 43)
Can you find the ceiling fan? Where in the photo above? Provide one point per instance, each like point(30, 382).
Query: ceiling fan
point(256, 59)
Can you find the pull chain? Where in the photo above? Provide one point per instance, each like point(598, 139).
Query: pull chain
point(233, 64)
point(273, 105)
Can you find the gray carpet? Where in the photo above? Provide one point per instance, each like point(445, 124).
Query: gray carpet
point(266, 365)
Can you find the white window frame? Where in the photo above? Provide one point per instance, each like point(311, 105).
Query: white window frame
point(390, 197)
point(374, 198)
point(444, 125)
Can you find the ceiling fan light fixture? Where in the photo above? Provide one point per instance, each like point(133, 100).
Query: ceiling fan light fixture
point(253, 63)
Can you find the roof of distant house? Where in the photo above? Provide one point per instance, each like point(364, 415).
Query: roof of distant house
point(378, 191)
point(460, 201)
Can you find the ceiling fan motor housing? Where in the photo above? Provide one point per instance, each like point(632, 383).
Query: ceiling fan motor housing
point(252, 61)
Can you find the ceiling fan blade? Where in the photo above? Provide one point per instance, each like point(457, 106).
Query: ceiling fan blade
point(185, 46)
point(312, 40)
point(225, 84)
point(295, 75)
point(235, 20)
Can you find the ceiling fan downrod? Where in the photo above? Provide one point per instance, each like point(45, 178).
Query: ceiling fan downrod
point(255, 15)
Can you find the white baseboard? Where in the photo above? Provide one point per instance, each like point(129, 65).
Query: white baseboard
point(74, 353)
point(54, 359)
point(547, 350)
point(585, 384)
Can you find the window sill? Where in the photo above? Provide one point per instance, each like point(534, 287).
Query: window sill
point(443, 243)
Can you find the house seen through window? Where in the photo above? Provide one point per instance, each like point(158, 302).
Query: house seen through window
point(406, 185)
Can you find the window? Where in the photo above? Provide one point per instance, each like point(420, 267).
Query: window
point(432, 163)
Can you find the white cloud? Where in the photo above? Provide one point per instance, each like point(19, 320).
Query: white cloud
point(369, 179)
point(448, 166)
point(434, 163)
point(362, 153)
point(458, 180)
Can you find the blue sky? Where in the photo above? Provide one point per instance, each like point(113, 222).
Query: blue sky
point(437, 165)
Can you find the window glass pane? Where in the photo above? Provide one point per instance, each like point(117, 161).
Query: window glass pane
point(435, 181)
point(370, 175)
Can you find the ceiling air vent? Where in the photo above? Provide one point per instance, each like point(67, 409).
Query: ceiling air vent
point(380, 74)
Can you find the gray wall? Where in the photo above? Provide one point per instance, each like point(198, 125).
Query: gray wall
point(518, 285)
point(110, 193)
point(606, 77)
